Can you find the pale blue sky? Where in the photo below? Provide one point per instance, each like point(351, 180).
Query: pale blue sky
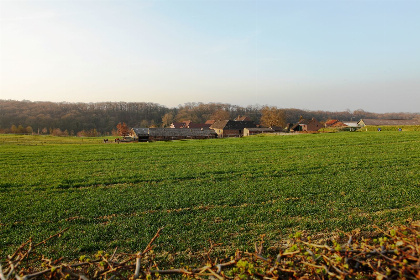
point(313, 54)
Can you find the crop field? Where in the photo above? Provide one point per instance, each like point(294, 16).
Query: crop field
point(229, 191)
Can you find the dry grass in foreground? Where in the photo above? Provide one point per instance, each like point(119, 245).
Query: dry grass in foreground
point(393, 255)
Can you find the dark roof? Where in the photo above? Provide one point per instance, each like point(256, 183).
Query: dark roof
point(226, 124)
point(189, 124)
point(305, 122)
point(141, 131)
point(173, 132)
point(389, 122)
point(179, 132)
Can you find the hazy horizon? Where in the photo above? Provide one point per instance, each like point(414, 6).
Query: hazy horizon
point(198, 102)
point(304, 54)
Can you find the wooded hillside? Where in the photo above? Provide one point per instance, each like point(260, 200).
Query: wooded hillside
point(103, 117)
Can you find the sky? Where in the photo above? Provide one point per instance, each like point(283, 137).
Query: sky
point(308, 54)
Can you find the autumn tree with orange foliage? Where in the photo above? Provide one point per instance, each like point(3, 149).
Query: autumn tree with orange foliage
point(123, 129)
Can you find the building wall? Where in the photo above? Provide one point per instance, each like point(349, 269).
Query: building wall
point(313, 125)
point(232, 133)
point(248, 132)
point(361, 123)
point(219, 132)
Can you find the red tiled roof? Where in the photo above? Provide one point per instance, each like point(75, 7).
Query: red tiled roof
point(338, 124)
point(330, 122)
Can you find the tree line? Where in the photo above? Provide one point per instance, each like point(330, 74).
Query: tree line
point(102, 118)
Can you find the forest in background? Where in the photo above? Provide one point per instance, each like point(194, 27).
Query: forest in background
point(102, 118)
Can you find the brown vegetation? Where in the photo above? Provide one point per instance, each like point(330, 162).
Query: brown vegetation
point(122, 129)
point(387, 254)
point(272, 117)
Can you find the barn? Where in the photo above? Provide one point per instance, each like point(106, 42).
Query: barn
point(165, 134)
point(228, 128)
point(140, 134)
point(307, 125)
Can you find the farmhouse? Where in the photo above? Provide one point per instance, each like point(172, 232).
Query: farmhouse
point(228, 128)
point(378, 122)
point(164, 134)
point(342, 125)
point(307, 125)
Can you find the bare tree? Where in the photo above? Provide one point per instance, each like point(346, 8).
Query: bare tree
point(271, 116)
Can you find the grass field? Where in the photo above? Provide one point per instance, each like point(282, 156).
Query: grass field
point(226, 190)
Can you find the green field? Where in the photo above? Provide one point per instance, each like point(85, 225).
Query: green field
point(227, 190)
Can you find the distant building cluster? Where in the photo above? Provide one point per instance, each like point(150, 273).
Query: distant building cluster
point(243, 126)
